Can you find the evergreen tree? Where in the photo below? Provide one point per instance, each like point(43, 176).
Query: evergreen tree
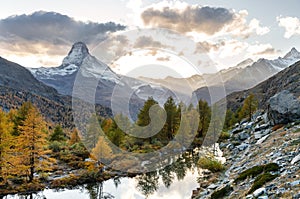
point(58, 134)
point(173, 118)
point(204, 118)
point(144, 120)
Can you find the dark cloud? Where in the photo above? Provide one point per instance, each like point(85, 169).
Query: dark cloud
point(54, 28)
point(52, 32)
point(147, 41)
point(207, 20)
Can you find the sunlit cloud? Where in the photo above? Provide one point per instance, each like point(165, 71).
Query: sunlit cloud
point(290, 24)
point(211, 21)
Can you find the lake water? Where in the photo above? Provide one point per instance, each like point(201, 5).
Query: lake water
point(175, 181)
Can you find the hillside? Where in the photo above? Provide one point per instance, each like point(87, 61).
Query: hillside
point(288, 79)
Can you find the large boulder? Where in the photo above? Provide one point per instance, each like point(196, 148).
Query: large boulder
point(283, 108)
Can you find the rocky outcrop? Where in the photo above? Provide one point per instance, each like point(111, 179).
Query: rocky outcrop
point(283, 108)
point(265, 145)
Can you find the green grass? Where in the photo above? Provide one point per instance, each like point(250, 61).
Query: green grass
point(224, 136)
point(256, 170)
point(261, 180)
point(211, 164)
point(225, 191)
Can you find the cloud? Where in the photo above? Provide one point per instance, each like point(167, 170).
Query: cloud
point(200, 19)
point(206, 20)
point(163, 59)
point(147, 41)
point(262, 50)
point(49, 33)
point(290, 24)
point(206, 47)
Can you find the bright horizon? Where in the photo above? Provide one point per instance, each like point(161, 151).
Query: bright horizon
point(234, 31)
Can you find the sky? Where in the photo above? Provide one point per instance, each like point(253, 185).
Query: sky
point(38, 33)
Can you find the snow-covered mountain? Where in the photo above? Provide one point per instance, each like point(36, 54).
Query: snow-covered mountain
point(80, 60)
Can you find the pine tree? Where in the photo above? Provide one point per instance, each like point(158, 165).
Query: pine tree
point(173, 118)
point(31, 143)
point(144, 120)
point(249, 107)
point(58, 134)
point(204, 117)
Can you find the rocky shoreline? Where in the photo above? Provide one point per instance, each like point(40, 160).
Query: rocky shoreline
point(251, 146)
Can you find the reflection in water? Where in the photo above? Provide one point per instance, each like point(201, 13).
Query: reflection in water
point(177, 180)
point(95, 191)
point(148, 183)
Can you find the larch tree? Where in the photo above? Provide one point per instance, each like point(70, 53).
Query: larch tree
point(93, 132)
point(6, 143)
point(31, 143)
point(102, 150)
point(249, 107)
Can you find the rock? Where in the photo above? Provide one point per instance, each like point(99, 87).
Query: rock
point(261, 140)
point(236, 130)
point(262, 197)
point(283, 108)
point(295, 183)
point(212, 186)
point(297, 196)
point(249, 196)
point(243, 136)
point(295, 159)
point(242, 147)
point(259, 192)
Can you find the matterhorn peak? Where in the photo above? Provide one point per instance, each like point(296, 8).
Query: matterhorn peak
point(76, 55)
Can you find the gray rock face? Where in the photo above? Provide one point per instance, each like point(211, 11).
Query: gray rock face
point(283, 108)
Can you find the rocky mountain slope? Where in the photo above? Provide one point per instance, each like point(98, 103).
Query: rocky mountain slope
point(288, 79)
point(262, 161)
point(249, 76)
point(14, 76)
point(18, 85)
point(263, 154)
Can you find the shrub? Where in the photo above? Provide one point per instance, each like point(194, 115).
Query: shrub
point(224, 136)
point(261, 180)
point(55, 146)
point(271, 167)
point(256, 170)
point(225, 191)
point(211, 164)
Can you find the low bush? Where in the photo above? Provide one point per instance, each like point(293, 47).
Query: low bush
point(224, 136)
point(225, 191)
point(256, 170)
point(211, 164)
point(261, 180)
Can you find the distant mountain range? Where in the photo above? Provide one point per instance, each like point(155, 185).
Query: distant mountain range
point(52, 87)
point(287, 79)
